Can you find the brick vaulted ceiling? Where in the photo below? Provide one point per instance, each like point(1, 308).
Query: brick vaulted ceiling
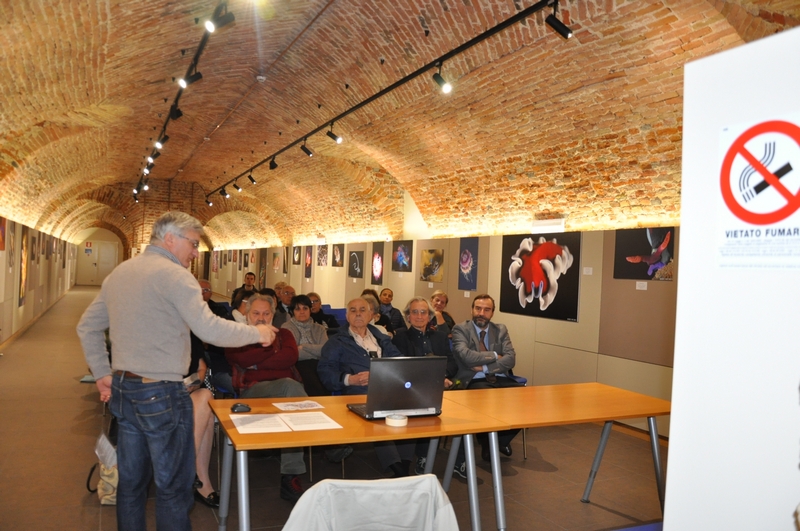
point(536, 127)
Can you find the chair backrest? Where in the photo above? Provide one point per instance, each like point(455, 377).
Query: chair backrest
point(414, 503)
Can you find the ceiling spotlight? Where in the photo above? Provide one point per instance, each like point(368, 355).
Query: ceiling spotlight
point(556, 24)
point(136, 198)
point(223, 193)
point(306, 150)
point(251, 175)
point(272, 165)
point(124, 217)
point(333, 136)
point(224, 20)
point(175, 112)
point(185, 82)
point(161, 141)
point(152, 158)
point(238, 188)
point(444, 85)
point(146, 186)
point(136, 190)
point(146, 171)
point(208, 202)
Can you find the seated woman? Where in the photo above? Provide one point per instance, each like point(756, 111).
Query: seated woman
point(344, 368)
point(319, 316)
point(439, 301)
point(379, 319)
point(376, 314)
point(310, 338)
point(203, 425)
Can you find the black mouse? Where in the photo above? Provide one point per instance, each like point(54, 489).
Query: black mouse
point(238, 407)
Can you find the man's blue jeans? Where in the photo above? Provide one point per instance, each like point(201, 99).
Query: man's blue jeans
point(155, 440)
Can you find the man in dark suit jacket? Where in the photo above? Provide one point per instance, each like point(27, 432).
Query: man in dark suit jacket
point(484, 355)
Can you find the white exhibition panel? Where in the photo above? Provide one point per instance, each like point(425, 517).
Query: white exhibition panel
point(735, 432)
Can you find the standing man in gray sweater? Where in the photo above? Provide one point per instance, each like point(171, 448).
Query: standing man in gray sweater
point(149, 304)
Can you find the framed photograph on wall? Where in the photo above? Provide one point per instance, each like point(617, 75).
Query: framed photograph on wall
point(402, 255)
point(296, 252)
point(337, 255)
point(377, 264)
point(309, 256)
point(431, 265)
point(644, 254)
point(355, 264)
point(285, 260)
point(540, 275)
point(468, 264)
point(322, 255)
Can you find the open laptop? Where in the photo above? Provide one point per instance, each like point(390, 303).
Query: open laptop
point(412, 386)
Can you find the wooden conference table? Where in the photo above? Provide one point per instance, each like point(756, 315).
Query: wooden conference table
point(463, 413)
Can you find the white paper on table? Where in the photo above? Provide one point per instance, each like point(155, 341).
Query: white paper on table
point(298, 406)
point(316, 420)
point(259, 423)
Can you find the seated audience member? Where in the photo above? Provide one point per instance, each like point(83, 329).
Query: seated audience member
point(394, 315)
point(278, 318)
point(239, 306)
point(375, 305)
point(249, 285)
point(215, 307)
point(220, 369)
point(319, 316)
point(285, 298)
point(310, 338)
point(344, 368)
point(268, 372)
point(378, 319)
point(484, 355)
point(423, 338)
point(440, 317)
point(203, 425)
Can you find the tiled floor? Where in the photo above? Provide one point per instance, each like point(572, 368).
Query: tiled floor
point(51, 421)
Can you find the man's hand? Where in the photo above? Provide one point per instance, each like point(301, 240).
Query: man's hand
point(104, 386)
point(362, 378)
point(267, 333)
point(478, 369)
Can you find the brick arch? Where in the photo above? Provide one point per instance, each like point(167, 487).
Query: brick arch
point(126, 247)
point(753, 22)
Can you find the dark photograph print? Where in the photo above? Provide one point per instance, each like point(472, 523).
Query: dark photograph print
point(355, 264)
point(644, 254)
point(540, 275)
point(402, 255)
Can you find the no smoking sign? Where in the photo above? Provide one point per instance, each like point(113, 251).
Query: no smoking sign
point(760, 174)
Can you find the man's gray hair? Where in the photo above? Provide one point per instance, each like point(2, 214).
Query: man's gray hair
point(175, 222)
point(260, 297)
point(373, 302)
point(407, 310)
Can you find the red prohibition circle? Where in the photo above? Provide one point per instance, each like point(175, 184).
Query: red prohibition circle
point(738, 148)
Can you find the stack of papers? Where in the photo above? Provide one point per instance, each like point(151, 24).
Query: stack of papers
point(316, 420)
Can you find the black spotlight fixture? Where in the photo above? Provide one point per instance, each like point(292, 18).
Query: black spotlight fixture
point(136, 188)
point(208, 202)
point(333, 136)
point(556, 24)
point(136, 198)
point(443, 84)
point(224, 193)
point(238, 188)
point(251, 175)
point(147, 169)
point(153, 156)
point(175, 112)
point(272, 165)
point(161, 141)
point(219, 20)
point(185, 82)
point(306, 150)
point(145, 186)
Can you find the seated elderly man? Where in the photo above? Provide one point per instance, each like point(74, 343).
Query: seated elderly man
point(268, 372)
point(344, 367)
point(319, 316)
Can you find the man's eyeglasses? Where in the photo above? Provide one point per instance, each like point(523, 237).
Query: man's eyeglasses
point(195, 243)
point(419, 312)
point(315, 301)
point(206, 290)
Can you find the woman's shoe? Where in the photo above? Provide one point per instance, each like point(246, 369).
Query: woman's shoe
point(212, 500)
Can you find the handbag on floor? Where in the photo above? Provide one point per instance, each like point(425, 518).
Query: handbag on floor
point(109, 476)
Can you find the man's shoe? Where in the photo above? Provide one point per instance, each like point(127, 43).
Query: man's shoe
point(419, 468)
point(506, 450)
point(339, 453)
point(485, 453)
point(460, 470)
point(291, 489)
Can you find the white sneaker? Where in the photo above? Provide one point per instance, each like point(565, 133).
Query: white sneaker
point(461, 470)
point(420, 467)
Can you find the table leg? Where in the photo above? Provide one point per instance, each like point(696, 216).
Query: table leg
point(243, 484)
point(225, 483)
point(598, 456)
point(497, 481)
point(433, 445)
point(472, 482)
point(651, 423)
point(451, 462)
